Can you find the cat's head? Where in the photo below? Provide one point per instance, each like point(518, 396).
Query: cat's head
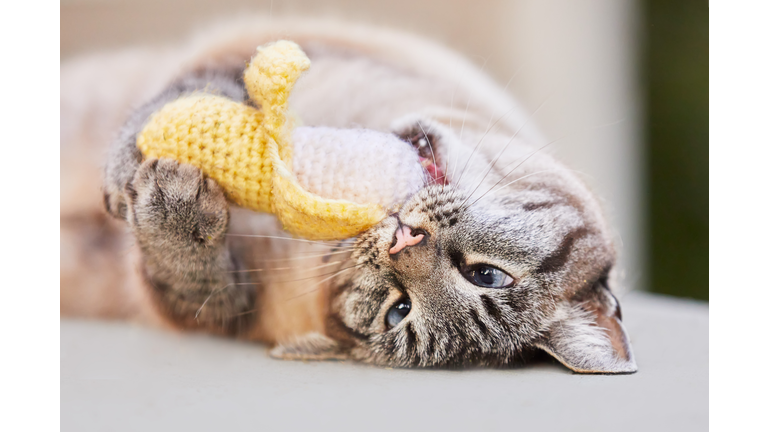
point(458, 279)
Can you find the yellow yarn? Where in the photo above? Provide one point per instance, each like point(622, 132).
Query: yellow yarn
point(248, 151)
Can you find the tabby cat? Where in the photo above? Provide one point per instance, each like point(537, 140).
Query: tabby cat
point(505, 252)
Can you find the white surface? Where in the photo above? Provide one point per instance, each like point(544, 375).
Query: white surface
point(116, 377)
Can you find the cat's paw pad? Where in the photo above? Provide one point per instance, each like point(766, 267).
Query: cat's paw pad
point(178, 201)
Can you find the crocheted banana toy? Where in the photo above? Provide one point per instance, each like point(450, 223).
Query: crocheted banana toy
point(321, 183)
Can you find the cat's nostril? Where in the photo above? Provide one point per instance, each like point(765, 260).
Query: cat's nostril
point(404, 237)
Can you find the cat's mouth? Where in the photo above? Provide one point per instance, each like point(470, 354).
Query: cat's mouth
point(428, 159)
point(433, 170)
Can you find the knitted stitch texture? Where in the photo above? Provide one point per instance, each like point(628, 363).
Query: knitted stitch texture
point(358, 165)
point(248, 151)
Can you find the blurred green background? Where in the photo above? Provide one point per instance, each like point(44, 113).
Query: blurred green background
point(676, 74)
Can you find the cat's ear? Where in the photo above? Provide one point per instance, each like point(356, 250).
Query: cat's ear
point(587, 335)
point(311, 346)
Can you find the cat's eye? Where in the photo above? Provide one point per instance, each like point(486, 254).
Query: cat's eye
point(398, 312)
point(488, 277)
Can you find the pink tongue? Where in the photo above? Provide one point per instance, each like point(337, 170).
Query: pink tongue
point(434, 171)
point(404, 238)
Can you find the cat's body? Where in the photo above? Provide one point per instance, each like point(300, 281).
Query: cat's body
point(409, 292)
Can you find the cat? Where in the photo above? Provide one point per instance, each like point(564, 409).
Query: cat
point(504, 253)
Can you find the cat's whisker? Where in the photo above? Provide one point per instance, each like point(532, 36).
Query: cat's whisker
point(450, 116)
point(304, 293)
point(480, 142)
point(294, 280)
point(554, 91)
point(509, 81)
point(568, 135)
point(508, 184)
point(469, 100)
point(309, 256)
point(287, 268)
point(450, 111)
point(515, 168)
point(434, 159)
point(308, 277)
point(488, 128)
point(275, 281)
point(330, 248)
point(482, 138)
point(242, 313)
point(493, 163)
point(315, 242)
point(313, 289)
point(200, 309)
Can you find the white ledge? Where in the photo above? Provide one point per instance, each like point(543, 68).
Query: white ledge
point(116, 376)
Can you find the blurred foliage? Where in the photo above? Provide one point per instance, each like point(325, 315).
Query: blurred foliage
point(676, 74)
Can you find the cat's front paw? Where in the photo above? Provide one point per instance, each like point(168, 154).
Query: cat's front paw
point(172, 203)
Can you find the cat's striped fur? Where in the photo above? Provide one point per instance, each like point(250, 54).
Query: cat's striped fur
point(190, 261)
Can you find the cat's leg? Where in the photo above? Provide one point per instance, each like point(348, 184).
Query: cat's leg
point(179, 219)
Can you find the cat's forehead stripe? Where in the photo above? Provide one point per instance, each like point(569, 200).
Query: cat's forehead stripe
point(557, 260)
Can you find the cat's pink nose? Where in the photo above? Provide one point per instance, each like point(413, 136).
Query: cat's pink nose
point(404, 238)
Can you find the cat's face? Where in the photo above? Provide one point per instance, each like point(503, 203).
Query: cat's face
point(476, 286)
point(449, 281)
point(470, 290)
